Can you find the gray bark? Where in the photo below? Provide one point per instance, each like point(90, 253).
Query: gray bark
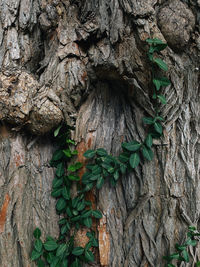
point(84, 62)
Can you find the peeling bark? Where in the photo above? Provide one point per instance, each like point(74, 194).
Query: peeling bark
point(84, 62)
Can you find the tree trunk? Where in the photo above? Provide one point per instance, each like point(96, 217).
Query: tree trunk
point(84, 62)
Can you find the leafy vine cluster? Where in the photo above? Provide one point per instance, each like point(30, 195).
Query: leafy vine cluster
point(76, 211)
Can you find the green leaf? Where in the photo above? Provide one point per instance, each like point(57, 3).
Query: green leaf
point(50, 238)
point(101, 152)
point(60, 170)
point(88, 222)
point(159, 118)
point(157, 84)
point(116, 175)
point(73, 177)
point(134, 160)
point(57, 155)
point(76, 263)
point(160, 63)
point(78, 165)
point(35, 255)
point(61, 204)
point(131, 146)
point(76, 218)
point(124, 157)
point(86, 177)
point(96, 170)
point(89, 154)
point(108, 167)
point(163, 81)
point(55, 262)
point(61, 250)
point(90, 234)
point(50, 257)
point(89, 255)
point(80, 206)
point(38, 245)
point(123, 168)
point(71, 168)
point(192, 228)
point(154, 41)
point(198, 263)
point(88, 245)
point(68, 211)
point(158, 127)
point(149, 141)
point(108, 160)
point(86, 213)
point(94, 177)
point(170, 265)
point(62, 221)
point(67, 153)
point(69, 141)
point(185, 255)
point(100, 182)
point(75, 202)
point(37, 233)
point(97, 214)
point(148, 120)
point(75, 167)
point(65, 228)
point(105, 173)
point(191, 242)
point(78, 251)
point(90, 166)
point(56, 132)
point(147, 153)
point(64, 263)
point(162, 99)
point(50, 245)
point(57, 182)
point(40, 263)
point(75, 212)
point(180, 247)
point(88, 187)
point(150, 56)
point(66, 192)
point(95, 242)
point(174, 256)
point(56, 192)
point(159, 47)
point(88, 203)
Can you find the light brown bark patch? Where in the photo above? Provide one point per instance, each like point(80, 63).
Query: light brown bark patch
point(81, 239)
point(104, 242)
point(3, 213)
point(82, 147)
point(18, 160)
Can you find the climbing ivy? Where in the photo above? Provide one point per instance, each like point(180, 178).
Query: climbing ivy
point(181, 254)
point(76, 211)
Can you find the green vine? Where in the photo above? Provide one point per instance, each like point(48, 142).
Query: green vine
point(181, 253)
point(75, 211)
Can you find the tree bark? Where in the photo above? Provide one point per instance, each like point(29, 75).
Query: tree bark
point(85, 63)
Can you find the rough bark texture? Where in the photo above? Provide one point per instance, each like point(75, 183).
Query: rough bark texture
point(85, 62)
